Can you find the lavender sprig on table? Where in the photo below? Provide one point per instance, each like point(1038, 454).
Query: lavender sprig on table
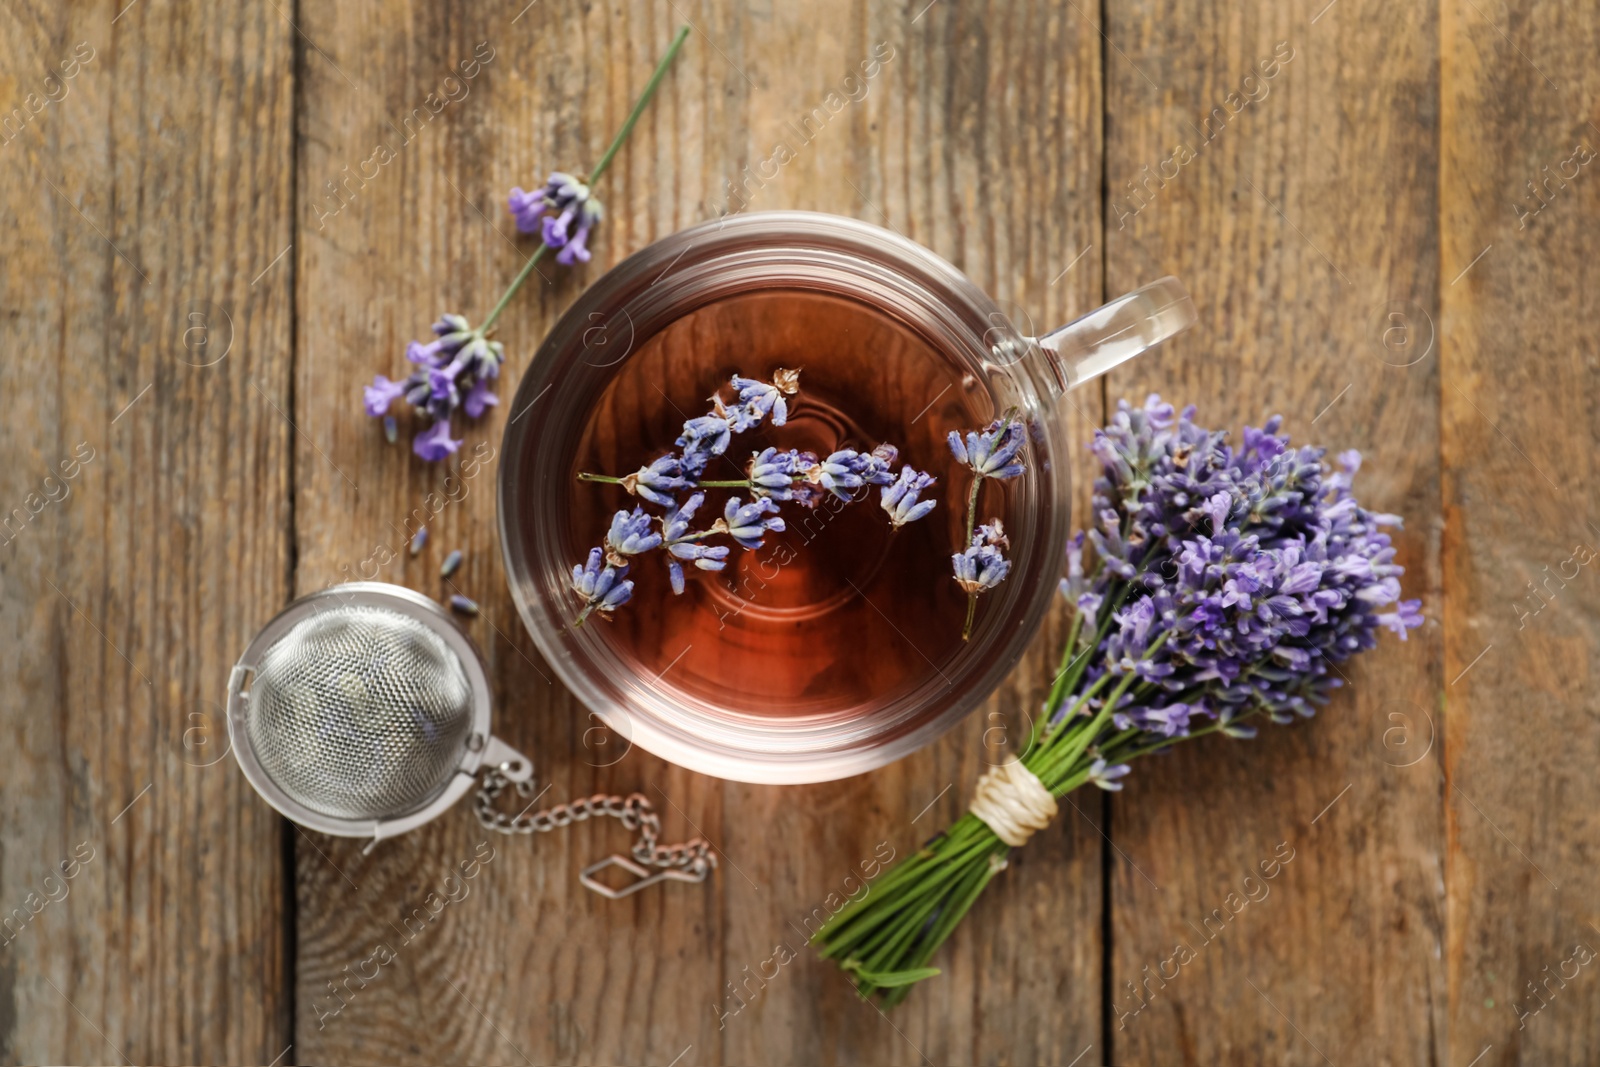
point(457, 367)
point(1225, 584)
point(772, 476)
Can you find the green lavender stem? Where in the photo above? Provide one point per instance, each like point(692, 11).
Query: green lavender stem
point(710, 483)
point(886, 939)
point(594, 175)
point(972, 523)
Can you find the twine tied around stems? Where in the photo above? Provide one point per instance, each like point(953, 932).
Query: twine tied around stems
point(1013, 803)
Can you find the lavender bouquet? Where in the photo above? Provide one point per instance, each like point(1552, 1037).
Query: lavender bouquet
point(1224, 585)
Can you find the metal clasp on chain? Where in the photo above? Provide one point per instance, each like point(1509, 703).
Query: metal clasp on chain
point(691, 861)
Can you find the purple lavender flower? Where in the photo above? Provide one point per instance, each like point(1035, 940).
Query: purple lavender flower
point(675, 523)
point(1108, 777)
point(563, 213)
point(1075, 587)
point(983, 565)
point(684, 547)
point(1228, 582)
point(450, 333)
point(703, 438)
point(630, 534)
point(657, 482)
point(774, 473)
point(745, 523)
point(848, 469)
point(435, 443)
point(453, 371)
point(381, 393)
point(1254, 565)
point(479, 399)
point(761, 399)
point(601, 585)
point(899, 499)
point(1407, 614)
point(989, 452)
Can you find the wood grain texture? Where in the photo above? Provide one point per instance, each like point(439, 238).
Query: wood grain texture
point(1520, 424)
point(317, 182)
point(527, 966)
point(140, 202)
point(1308, 209)
point(534, 966)
point(949, 119)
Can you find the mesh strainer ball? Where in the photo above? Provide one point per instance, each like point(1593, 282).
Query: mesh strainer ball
point(366, 712)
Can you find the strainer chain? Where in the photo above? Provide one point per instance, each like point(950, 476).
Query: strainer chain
point(695, 857)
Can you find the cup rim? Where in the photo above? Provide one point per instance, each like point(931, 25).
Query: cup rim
point(912, 264)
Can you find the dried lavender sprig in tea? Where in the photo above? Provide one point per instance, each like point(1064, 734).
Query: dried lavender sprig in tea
point(772, 476)
point(993, 452)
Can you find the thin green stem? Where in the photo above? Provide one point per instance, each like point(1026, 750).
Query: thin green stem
point(594, 175)
point(972, 507)
point(972, 522)
point(511, 291)
point(947, 920)
point(956, 913)
point(909, 882)
point(1053, 763)
point(638, 108)
point(841, 933)
point(1066, 727)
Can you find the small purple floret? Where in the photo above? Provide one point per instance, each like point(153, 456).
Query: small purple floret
point(630, 534)
point(563, 213)
point(746, 524)
point(600, 584)
point(992, 451)
point(435, 443)
point(847, 470)
point(453, 371)
point(900, 498)
point(983, 565)
point(774, 473)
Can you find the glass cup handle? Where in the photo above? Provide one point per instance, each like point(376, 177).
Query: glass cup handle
point(1091, 345)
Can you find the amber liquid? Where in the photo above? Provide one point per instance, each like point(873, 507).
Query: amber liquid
point(839, 613)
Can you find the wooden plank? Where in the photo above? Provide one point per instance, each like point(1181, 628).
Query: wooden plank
point(949, 121)
point(541, 969)
point(1301, 213)
point(146, 488)
point(528, 966)
point(1519, 429)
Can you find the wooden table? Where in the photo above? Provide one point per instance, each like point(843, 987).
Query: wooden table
point(206, 260)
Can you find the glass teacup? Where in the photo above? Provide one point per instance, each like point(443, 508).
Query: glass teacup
point(837, 646)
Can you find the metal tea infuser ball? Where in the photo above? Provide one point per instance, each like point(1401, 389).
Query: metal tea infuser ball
point(363, 711)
